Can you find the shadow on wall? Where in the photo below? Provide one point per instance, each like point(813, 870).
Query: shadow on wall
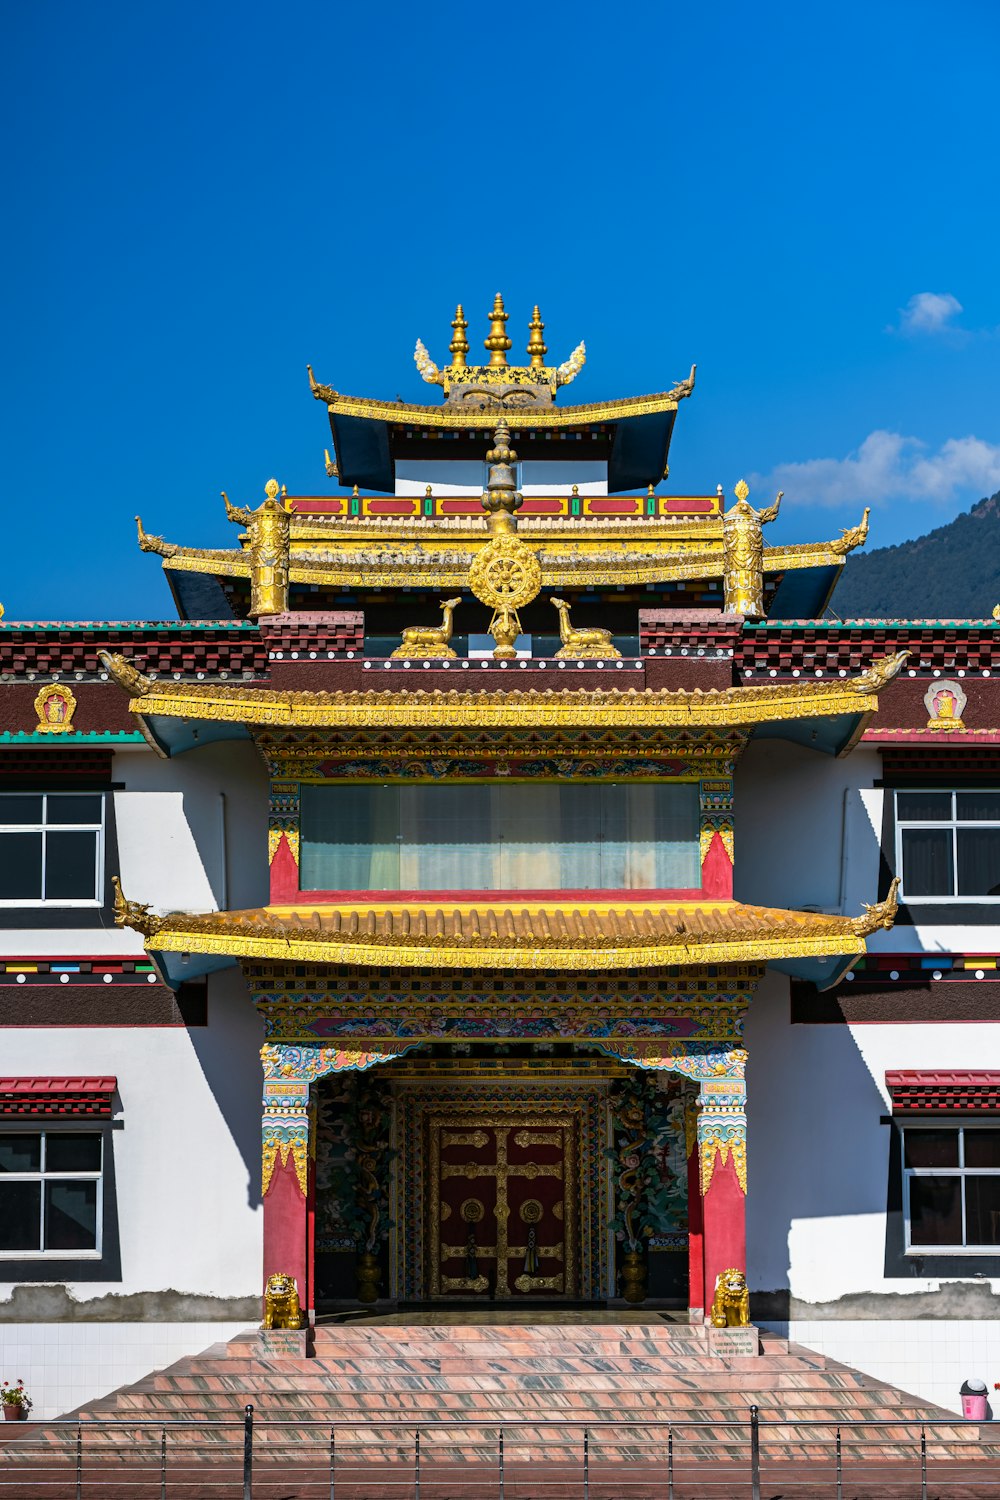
point(228, 1052)
point(816, 1151)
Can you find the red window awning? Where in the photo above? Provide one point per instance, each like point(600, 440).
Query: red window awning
point(54, 1098)
point(917, 1088)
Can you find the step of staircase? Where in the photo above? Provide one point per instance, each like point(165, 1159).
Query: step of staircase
point(541, 1382)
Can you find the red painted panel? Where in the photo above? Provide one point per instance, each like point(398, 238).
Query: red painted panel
point(286, 1229)
point(690, 507)
point(717, 871)
point(460, 507)
point(317, 507)
point(598, 507)
point(391, 507)
point(284, 874)
point(537, 507)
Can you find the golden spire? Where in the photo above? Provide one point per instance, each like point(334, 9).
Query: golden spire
point(501, 498)
point(498, 343)
point(459, 346)
point(536, 345)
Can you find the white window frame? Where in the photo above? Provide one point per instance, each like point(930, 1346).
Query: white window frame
point(45, 827)
point(954, 823)
point(69, 1127)
point(961, 1171)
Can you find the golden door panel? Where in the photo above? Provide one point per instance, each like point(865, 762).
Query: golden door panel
point(502, 1205)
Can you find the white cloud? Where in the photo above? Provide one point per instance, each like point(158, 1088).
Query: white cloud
point(887, 467)
point(929, 312)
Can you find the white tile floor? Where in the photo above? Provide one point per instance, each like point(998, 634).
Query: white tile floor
point(65, 1364)
point(928, 1357)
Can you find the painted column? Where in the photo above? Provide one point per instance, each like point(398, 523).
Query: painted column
point(722, 1157)
point(288, 1150)
point(696, 1237)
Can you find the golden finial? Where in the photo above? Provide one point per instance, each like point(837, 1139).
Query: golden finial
point(498, 343)
point(459, 346)
point(429, 492)
point(272, 489)
point(742, 490)
point(576, 489)
point(355, 492)
point(650, 492)
point(536, 345)
point(331, 468)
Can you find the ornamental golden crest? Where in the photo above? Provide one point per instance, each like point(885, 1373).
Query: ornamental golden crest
point(55, 706)
point(506, 574)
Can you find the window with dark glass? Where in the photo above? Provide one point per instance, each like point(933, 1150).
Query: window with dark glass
point(511, 836)
point(50, 1192)
point(51, 848)
point(948, 845)
point(952, 1187)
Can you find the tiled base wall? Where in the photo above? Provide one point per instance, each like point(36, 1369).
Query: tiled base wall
point(929, 1358)
point(64, 1365)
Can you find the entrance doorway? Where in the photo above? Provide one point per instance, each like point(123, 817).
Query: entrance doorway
point(501, 1211)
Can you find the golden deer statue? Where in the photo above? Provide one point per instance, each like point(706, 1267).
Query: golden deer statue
point(592, 643)
point(423, 641)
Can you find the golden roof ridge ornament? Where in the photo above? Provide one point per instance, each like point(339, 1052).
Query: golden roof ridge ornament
point(238, 514)
point(497, 342)
point(880, 672)
point(321, 392)
point(506, 574)
point(531, 385)
point(134, 914)
point(882, 914)
point(150, 543)
point(121, 670)
point(852, 536)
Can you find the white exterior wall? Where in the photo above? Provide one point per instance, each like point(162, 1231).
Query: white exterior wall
point(808, 833)
point(553, 476)
point(186, 1134)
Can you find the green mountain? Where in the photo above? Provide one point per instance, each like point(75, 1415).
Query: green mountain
point(952, 573)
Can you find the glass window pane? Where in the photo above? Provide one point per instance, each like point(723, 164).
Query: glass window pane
point(979, 861)
point(20, 809)
point(982, 1148)
point(447, 839)
point(931, 1148)
point(935, 1211)
point(71, 866)
point(20, 1205)
point(977, 807)
point(349, 838)
point(982, 1210)
point(71, 1216)
point(73, 809)
point(72, 1152)
point(549, 836)
point(675, 830)
point(20, 1153)
point(923, 807)
point(20, 866)
point(927, 862)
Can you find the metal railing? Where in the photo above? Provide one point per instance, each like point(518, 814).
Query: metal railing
point(301, 1459)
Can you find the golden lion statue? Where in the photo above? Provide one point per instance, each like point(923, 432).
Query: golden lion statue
point(281, 1303)
point(731, 1303)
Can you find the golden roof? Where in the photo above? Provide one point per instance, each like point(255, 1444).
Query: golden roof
point(235, 702)
point(546, 934)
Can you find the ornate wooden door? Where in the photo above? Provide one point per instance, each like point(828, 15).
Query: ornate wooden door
point(502, 1206)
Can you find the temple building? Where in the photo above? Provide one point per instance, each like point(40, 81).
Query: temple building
point(501, 888)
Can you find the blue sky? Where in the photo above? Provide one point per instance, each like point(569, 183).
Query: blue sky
point(202, 197)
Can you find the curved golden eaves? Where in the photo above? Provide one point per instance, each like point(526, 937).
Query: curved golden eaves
point(545, 935)
point(242, 703)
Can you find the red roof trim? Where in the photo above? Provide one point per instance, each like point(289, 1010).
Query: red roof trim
point(45, 1098)
point(944, 1089)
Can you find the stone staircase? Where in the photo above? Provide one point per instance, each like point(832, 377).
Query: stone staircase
point(618, 1375)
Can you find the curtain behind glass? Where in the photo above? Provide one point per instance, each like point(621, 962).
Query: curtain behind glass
point(348, 838)
point(927, 862)
point(447, 837)
point(500, 836)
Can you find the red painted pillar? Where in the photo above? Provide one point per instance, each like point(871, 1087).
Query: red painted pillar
point(725, 1225)
point(696, 1246)
point(286, 1225)
point(722, 1154)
